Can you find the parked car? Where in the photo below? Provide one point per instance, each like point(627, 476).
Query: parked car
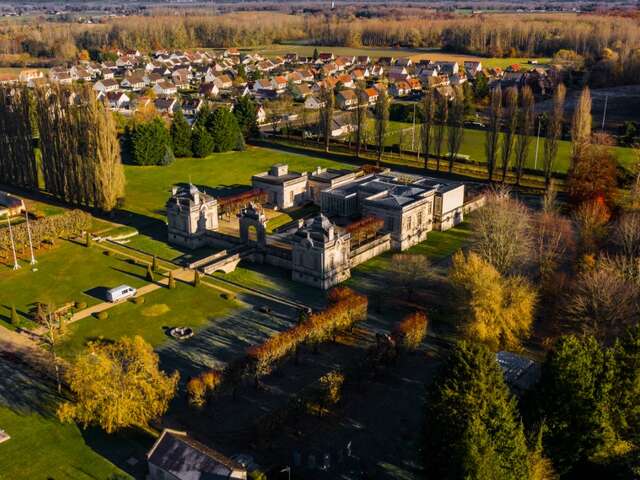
point(120, 293)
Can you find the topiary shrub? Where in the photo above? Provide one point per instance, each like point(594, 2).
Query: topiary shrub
point(81, 305)
point(138, 300)
point(228, 296)
point(107, 253)
point(102, 315)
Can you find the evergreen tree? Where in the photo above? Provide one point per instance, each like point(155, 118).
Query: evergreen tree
point(574, 398)
point(172, 281)
point(223, 128)
point(627, 386)
point(181, 135)
point(149, 142)
point(196, 278)
point(315, 54)
point(15, 320)
point(154, 264)
point(201, 142)
point(472, 425)
point(245, 112)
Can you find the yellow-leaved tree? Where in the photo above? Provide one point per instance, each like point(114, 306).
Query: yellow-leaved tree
point(498, 310)
point(117, 385)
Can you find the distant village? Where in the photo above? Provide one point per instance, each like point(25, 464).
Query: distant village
point(185, 80)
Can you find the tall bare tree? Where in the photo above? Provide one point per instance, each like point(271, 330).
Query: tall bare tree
point(381, 123)
point(581, 126)
point(491, 145)
point(525, 130)
point(327, 99)
point(510, 126)
point(360, 115)
point(428, 113)
point(441, 116)
point(553, 132)
point(455, 131)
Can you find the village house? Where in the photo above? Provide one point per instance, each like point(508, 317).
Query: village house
point(134, 82)
point(301, 91)
point(192, 106)
point(313, 103)
point(106, 86)
point(346, 99)
point(165, 105)
point(279, 84)
point(165, 88)
point(223, 82)
point(400, 89)
point(117, 100)
point(208, 90)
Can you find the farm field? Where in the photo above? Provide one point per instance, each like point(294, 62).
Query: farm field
point(67, 272)
point(416, 54)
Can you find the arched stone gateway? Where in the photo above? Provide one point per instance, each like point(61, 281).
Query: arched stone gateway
point(249, 217)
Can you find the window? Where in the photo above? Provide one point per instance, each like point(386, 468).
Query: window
point(419, 218)
point(291, 196)
point(409, 223)
point(429, 210)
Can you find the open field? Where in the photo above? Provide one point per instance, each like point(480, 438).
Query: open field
point(474, 140)
point(67, 272)
point(185, 306)
point(414, 53)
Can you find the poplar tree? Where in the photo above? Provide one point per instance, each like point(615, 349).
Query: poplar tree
point(381, 122)
point(455, 130)
point(581, 127)
point(473, 429)
point(525, 130)
point(428, 113)
point(245, 112)
point(328, 100)
point(553, 133)
point(181, 135)
point(442, 113)
point(492, 136)
point(511, 124)
point(18, 164)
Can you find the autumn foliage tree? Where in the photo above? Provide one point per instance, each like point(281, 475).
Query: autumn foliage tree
point(411, 330)
point(117, 385)
point(497, 310)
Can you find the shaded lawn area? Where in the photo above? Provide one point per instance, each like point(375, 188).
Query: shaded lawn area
point(185, 306)
point(473, 144)
point(42, 448)
point(68, 272)
point(149, 187)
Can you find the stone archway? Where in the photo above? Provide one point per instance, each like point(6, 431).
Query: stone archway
point(252, 217)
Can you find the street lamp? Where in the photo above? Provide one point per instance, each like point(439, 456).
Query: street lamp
point(16, 265)
point(33, 258)
point(288, 470)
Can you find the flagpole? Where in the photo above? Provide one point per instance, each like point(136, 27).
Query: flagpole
point(16, 265)
point(33, 258)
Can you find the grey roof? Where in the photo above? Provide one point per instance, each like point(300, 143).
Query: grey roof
point(187, 459)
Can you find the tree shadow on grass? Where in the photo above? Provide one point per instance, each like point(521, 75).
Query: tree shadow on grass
point(24, 388)
point(121, 448)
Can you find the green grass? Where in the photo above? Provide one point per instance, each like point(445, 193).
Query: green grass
point(186, 306)
point(42, 448)
point(148, 188)
point(436, 247)
point(377, 52)
point(66, 273)
point(474, 140)
point(289, 216)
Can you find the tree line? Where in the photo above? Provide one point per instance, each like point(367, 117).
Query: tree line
point(79, 149)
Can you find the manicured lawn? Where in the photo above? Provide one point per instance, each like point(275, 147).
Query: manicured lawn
point(42, 448)
point(66, 273)
point(474, 140)
point(437, 246)
point(148, 188)
point(185, 306)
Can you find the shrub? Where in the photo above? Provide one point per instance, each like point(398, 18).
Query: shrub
point(88, 239)
point(196, 391)
point(211, 379)
point(131, 261)
point(81, 305)
point(15, 320)
point(228, 296)
point(172, 281)
point(102, 315)
point(107, 253)
point(196, 278)
point(411, 330)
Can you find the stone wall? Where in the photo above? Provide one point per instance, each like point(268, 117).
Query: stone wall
point(371, 249)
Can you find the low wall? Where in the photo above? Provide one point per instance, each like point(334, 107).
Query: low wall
point(370, 249)
point(474, 204)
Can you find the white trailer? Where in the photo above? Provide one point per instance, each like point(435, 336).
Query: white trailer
point(120, 293)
